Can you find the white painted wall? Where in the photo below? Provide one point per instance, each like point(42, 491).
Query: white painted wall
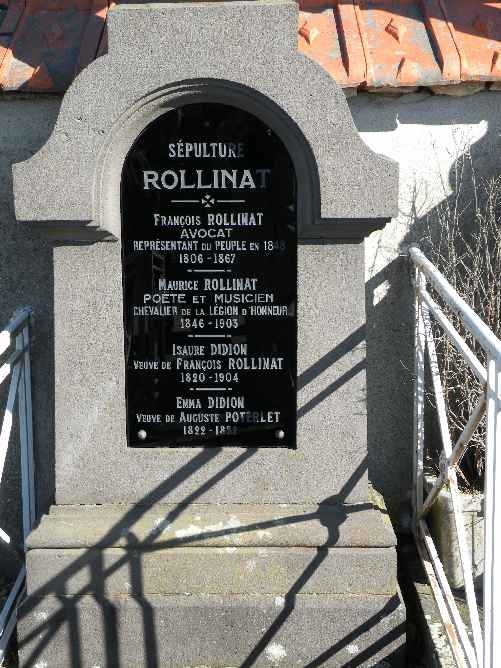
point(425, 134)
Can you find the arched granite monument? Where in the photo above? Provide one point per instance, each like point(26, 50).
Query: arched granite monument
point(256, 544)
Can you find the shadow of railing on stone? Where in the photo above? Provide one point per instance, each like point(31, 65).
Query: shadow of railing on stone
point(320, 556)
point(99, 572)
point(370, 651)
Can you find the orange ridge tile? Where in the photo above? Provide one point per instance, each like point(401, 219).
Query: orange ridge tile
point(9, 24)
point(52, 42)
point(476, 30)
point(400, 43)
point(446, 50)
point(398, 47)
point(329, 34)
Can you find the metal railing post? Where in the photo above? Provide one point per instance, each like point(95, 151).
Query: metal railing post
point(419, 347)
point(17, 367)
point(492, 513)
point(26, 433)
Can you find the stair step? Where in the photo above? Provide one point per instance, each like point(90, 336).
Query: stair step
point(212, 570)
point(357, 525)
point(214, 631)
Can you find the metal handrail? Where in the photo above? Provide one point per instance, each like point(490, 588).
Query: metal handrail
point(15, 341)
point(486, 338)
point(485, 652)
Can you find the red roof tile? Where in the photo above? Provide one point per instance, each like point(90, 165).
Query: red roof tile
point(374, 44)
point(403, 43)
point(47, 42)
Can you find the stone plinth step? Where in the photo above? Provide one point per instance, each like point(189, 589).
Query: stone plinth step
point(237, 525)
point(213, 570)
point(182, 631)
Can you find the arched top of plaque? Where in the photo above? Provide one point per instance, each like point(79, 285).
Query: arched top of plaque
point(162, 56)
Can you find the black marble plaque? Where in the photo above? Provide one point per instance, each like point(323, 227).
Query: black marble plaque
point(209, 259)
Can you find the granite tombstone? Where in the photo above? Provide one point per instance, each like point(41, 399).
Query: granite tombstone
point(208, 196)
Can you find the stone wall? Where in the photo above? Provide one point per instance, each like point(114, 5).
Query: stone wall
point(26, 278)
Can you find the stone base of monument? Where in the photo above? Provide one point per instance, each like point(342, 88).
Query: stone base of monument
point(212, 585)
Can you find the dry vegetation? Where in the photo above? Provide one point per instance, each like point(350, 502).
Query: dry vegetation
point(464, 243)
